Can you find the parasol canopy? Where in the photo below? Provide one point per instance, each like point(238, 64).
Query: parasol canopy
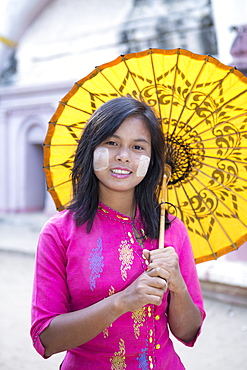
point(202, 105)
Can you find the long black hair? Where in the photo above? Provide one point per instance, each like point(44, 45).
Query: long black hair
point(102, 124)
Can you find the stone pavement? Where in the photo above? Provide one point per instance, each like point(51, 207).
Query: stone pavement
point(222, 344)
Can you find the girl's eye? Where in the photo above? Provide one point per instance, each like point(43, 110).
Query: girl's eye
point(138, 147)
point(111, 142)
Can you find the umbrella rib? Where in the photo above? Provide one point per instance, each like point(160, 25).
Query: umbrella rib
point(233, 215)
point(155, 83)
point(56, 145)
point(76, 108)
point(225, 147)
point(93, 94)
point(225, 159)
point(131, 74)
point(220, 183)
point(199, 222)
point(222, 123)
point(223, 136)
point(173, 90)
point(219, 169)
point(218, 109)
point(102, 74)
point(188, 96)
point(73, 125)
point(213, 215)
point(56, 186)
point(55, 165)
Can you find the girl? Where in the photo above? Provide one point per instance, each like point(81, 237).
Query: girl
point(103, 291)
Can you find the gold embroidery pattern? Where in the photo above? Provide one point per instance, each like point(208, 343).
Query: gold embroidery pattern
point(126, 257)
point(123, 218)
point(106, 331)
point(103, 209)
point(139, 318)
point(131, 237)
point(118, 360)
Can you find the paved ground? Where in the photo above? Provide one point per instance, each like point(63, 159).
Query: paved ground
point(222, 344)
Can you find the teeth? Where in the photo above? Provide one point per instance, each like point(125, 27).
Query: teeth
point(121, 172)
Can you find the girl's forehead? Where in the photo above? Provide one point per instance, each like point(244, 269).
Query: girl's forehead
point(133, 126)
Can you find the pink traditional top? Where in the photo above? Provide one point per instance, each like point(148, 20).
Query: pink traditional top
point(75, 269)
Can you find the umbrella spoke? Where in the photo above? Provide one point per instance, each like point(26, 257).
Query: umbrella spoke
point(225, 147)
point(76, 108)
point(156, 88)
point(209, 129)
point(213, 215)
point(58, 145)
point(199, 106)
point(132, 76)
point(223, 136)
point(57, 185)
point(173, 93)
point(226, 159)
point(221, 170)
point(119, 93)
point(187, 98)
point(74, 125)
point(204, 234)
point(233, 215)
point(221, 184)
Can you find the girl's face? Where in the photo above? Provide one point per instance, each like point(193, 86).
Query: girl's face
point(122, 160)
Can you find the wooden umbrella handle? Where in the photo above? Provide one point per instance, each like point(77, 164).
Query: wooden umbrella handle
point(166, 178)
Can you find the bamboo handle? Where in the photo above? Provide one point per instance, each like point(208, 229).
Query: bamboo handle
point(166, 178)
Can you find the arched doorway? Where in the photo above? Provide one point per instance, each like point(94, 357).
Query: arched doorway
point(34, 175)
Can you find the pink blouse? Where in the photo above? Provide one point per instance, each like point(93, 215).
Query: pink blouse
point(75, 269)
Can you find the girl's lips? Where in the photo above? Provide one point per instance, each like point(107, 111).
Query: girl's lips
point(120, 172)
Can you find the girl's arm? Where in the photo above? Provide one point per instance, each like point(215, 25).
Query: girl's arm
point(72, 329)
point(184, 317)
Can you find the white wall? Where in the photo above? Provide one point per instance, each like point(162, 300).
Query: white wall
point(15, 17)
point(228, 13)
point(69, 39)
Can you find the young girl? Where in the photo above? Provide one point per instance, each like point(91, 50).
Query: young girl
point(103, 291)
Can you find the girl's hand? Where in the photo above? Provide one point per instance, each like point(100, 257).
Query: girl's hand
point(148, 288)
point(165, 261)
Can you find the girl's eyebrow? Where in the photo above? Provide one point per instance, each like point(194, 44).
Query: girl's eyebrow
point(135, 140)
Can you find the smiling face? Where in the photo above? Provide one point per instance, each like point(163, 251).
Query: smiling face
point(122, 160)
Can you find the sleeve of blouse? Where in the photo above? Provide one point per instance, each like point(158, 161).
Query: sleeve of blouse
point(50, 293)
point(189, 272)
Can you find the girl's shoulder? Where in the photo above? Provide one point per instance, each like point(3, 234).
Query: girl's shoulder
point(63, 219)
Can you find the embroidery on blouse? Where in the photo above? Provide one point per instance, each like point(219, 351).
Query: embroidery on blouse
point(103, 209)
point(142, 360)
point(139, 318)
point(126, 257)
point(131, 237)
point(118, 360)
point(123, 218)
point(96, 263)
point(106, 331)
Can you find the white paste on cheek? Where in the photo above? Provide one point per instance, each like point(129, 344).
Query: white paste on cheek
point(100, 159)
point(143, 166)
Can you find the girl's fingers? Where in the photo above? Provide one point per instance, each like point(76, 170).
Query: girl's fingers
point(158, 271)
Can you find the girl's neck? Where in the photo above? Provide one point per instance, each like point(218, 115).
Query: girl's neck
point(122, 203)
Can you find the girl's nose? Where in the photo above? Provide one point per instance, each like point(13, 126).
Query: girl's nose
point(123, 155)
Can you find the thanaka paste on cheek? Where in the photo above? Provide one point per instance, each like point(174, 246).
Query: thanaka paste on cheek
point(143, 166)
point(100, 159)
